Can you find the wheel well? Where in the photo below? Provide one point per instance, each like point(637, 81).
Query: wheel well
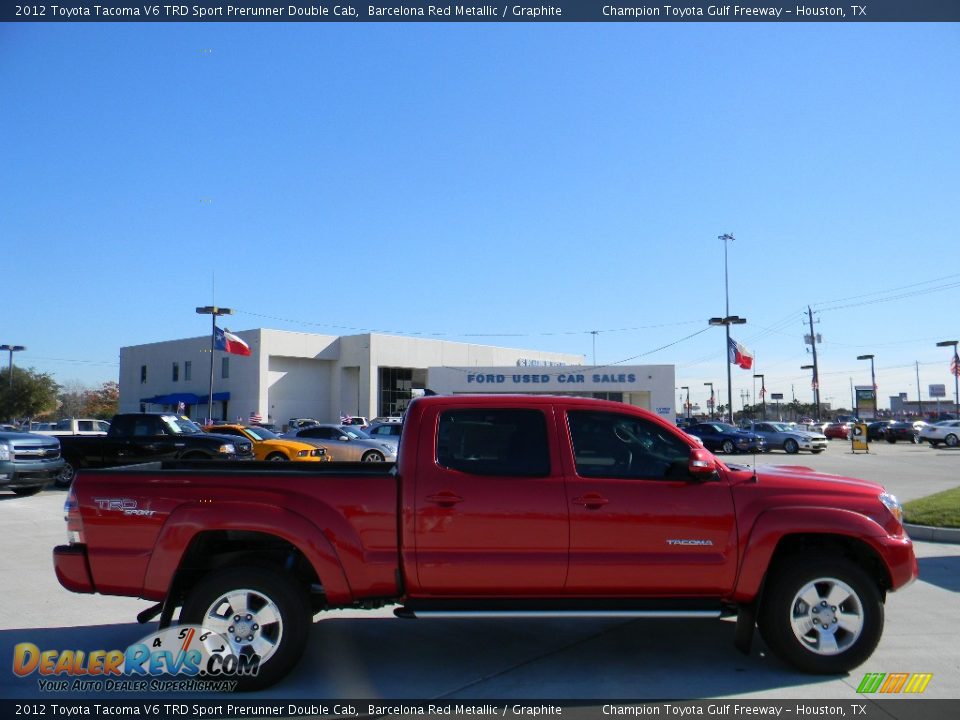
point(852, 549)
point(217, 549)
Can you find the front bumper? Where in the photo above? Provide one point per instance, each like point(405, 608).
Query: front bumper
point(29, 474)
point(72, 568)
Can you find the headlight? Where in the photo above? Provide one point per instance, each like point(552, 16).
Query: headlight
point(893, 505)
point(4, 452)
point(302, 453)
point(388, 448)
point(227, 449)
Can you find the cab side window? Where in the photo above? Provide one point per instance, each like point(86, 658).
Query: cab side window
point(621, 446)
point(507, 442)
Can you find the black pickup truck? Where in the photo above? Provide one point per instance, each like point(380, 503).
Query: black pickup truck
point(145, 437)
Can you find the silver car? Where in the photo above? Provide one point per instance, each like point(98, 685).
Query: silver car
point(790, 439)
point(345, 443)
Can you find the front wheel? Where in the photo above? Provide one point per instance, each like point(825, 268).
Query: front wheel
point(950, 440)
point(277, 457)
point(891, 439)
point(260, 611)
point(821, 614)
point(727, 447)
point(66, 475)
point(791, 447)
point(373, 456)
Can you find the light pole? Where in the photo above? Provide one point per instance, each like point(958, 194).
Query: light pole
point(684, 387)
point(727, 322)
point(763, 395)
point(814, 384)
point(710, 402)
point(214, 312)
point(955, 369)
point(873, 384)
point(11, 349)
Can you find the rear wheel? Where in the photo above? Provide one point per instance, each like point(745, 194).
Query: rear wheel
point(277, 457)
point(66, 474)
point(260, 611)
point(791, 447)
point(950, 440)
point(821, 614)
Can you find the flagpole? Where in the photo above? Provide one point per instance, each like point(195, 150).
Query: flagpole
point(213, 311)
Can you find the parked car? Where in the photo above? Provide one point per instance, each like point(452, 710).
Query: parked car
point(354, 420)
point(294, 423)
point(727, 438)
point(28, 461)
point(837, 431)
point(790, 439)
point(945, 431)
point(268, 445)
point(875, 430)
point(385, 429)
point(901, 431)
point(77, 426)
point(346, 444)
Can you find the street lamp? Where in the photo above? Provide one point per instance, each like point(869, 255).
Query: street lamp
point(955, 369)
point(873, 384)
point(727, 322)
point(684, 387)
point(763, 395)
point(12, 349)
point(814, 385)
point(710, 403)
point(214, 312)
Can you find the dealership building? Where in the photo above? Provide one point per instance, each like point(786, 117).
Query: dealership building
point(293, 374)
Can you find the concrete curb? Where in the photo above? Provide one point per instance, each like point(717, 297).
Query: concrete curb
point(934, 534)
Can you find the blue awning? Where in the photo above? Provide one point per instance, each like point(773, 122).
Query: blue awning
point(185, 398)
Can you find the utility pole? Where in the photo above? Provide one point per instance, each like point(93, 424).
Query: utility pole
point(919, 401)
point(816, 369)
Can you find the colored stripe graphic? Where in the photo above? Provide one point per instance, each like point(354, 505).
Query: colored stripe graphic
point(894, 682)
point(918, 682)
point(870, 682)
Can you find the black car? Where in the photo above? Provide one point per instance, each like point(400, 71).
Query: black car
point(727, 438)
point(877, 430)
point(901, 431)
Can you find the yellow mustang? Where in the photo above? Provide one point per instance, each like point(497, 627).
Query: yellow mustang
point(267, 445)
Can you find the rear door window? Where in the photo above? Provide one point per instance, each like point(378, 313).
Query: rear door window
point(504, 442)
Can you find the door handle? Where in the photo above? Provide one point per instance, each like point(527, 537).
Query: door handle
point(444, 499)
point(591, 501)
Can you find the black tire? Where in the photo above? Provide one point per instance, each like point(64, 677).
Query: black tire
point(916, 439)
point(24, 492)
point(784, 614)
point(950, 440)
point(277, 457)
point(373, 456)
point(790, 446)
point(727, 447)
point(817, 452)
point(934, 443)
point(891, 439)
point(204, 604)
point(66, 475)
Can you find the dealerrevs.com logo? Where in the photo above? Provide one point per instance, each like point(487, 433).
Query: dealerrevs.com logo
point(894, 683)
point(182, 658)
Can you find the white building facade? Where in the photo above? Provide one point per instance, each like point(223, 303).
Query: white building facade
point(292, 374)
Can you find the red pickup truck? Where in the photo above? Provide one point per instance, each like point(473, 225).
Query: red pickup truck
point(506, 505)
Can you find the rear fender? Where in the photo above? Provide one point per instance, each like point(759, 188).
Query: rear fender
point(187, 521)
point(775, 524)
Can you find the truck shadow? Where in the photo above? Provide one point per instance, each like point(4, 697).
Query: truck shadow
point(381, 657)
point(942, 571)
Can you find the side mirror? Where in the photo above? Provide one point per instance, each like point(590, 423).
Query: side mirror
point(343, 438)
point(702, 464)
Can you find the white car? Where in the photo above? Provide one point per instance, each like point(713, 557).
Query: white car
point(945, 431)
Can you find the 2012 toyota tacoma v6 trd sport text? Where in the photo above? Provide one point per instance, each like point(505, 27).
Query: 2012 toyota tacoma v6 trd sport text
point(499, 504)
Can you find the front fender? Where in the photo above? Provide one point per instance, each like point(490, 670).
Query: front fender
point(187, 521)
point(775, 524)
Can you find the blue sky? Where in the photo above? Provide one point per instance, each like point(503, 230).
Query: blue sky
point(515, 185)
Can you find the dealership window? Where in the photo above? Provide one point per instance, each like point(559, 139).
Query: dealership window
point(187, 371)
point(143, 374)
point(395, 386)
point(176, 372)
point(225, 367)
point(502, 442)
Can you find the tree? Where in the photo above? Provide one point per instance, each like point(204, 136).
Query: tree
point(104, 402)
point(73, 398)
point(32, 393)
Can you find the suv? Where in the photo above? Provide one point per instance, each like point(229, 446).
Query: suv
point(28, 461)
point(385, 428)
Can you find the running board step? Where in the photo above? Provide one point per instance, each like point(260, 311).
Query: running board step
point(413, 613)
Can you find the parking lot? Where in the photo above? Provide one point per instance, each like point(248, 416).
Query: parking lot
point(359, 654)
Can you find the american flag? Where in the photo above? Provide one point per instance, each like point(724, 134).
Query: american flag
point(255, 418)
point(955, 365)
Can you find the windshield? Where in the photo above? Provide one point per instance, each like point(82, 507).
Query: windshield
point(181, 425)
point(260, 433)
point(780, 427)
point(354, 433)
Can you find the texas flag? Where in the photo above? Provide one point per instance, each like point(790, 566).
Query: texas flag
point(226, 340)
point(739, 355)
